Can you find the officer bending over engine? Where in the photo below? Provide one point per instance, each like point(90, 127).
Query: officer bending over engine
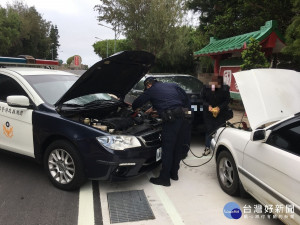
point(171, 102)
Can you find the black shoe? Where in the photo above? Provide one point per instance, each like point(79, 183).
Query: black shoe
point(174, 177)
point(206, 151)
point(160, 181)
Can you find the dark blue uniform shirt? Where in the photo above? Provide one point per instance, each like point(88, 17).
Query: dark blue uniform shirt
point(163, 96)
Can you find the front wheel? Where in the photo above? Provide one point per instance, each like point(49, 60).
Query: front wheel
point(227, 173)
point(63, 165)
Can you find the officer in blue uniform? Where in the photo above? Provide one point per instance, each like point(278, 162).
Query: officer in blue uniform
point(170, 101)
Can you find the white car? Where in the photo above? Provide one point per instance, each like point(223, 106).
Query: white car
point(265, 161)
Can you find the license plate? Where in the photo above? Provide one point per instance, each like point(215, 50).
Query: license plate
point(158, 154)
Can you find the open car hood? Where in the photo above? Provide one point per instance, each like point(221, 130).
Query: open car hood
point(116, 75)
point(269, 95)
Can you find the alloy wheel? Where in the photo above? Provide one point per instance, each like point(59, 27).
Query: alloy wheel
point(61, 166)
point(226, 172)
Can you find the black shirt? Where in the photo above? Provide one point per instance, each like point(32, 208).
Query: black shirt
point(220, 97)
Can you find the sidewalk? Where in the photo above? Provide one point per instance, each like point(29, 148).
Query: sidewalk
point(195, 199)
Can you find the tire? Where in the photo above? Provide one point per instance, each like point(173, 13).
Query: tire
point(227, 174)
point(63, 165)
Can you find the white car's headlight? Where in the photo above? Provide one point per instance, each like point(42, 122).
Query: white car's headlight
point(119, 142)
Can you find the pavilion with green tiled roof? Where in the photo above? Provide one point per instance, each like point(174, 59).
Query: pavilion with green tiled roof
point(268, 36)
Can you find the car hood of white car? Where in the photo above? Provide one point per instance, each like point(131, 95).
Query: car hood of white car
point(269, 95)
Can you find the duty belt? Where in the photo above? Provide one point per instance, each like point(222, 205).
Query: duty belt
point(172, 114)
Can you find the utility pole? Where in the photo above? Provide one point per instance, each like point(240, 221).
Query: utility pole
point(114, 29)
point(106, 45)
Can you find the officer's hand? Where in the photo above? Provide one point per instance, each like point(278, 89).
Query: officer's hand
point(210, 108)
point(150, 110)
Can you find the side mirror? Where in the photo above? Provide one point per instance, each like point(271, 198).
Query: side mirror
point(19, 101)
point(260, 135)
point(137, 92)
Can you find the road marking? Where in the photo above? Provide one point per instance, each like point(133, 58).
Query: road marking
point(86, 205)
point(167, 203)
point(97, 203)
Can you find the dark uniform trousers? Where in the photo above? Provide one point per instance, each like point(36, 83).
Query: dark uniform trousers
point(172, 143)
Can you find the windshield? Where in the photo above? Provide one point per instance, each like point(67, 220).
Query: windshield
point(52, 87)
point(84, 100)
point(187, 83)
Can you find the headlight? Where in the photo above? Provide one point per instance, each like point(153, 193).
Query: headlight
point(119, 142)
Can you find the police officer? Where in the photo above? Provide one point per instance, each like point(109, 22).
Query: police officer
point(170, 101)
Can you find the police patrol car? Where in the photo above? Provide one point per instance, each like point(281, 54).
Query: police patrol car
point(80, 127)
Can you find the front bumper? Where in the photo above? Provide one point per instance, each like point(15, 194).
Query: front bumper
point(101, 163)
point(104, 164)
point(213, 144)
point(124, 171)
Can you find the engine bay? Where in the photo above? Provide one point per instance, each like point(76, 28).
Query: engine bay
point(120, 120)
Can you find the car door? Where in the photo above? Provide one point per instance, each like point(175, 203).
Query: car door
point(16, 123)
point(272, 168)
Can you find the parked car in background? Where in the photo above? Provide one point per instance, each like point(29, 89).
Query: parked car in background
point(264, 161)
point(190, 84)
point(74, 125)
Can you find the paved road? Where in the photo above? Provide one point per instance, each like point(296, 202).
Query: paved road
point(28, 198)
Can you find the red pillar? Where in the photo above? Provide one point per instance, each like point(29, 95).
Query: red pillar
point(217, 64)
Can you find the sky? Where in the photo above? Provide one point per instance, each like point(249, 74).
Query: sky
point(77, 26)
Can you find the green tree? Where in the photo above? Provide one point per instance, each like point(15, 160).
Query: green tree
point(106, 47)
point(23, 31)
point(33, 39)
point(198, 40)
point(208, 11)
point(9, 30)
point(229, 18)
point(69, 60)
point(154, 26)
point(293, 31)
point(253, 57)
point(290, 57)
point(54, 45)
